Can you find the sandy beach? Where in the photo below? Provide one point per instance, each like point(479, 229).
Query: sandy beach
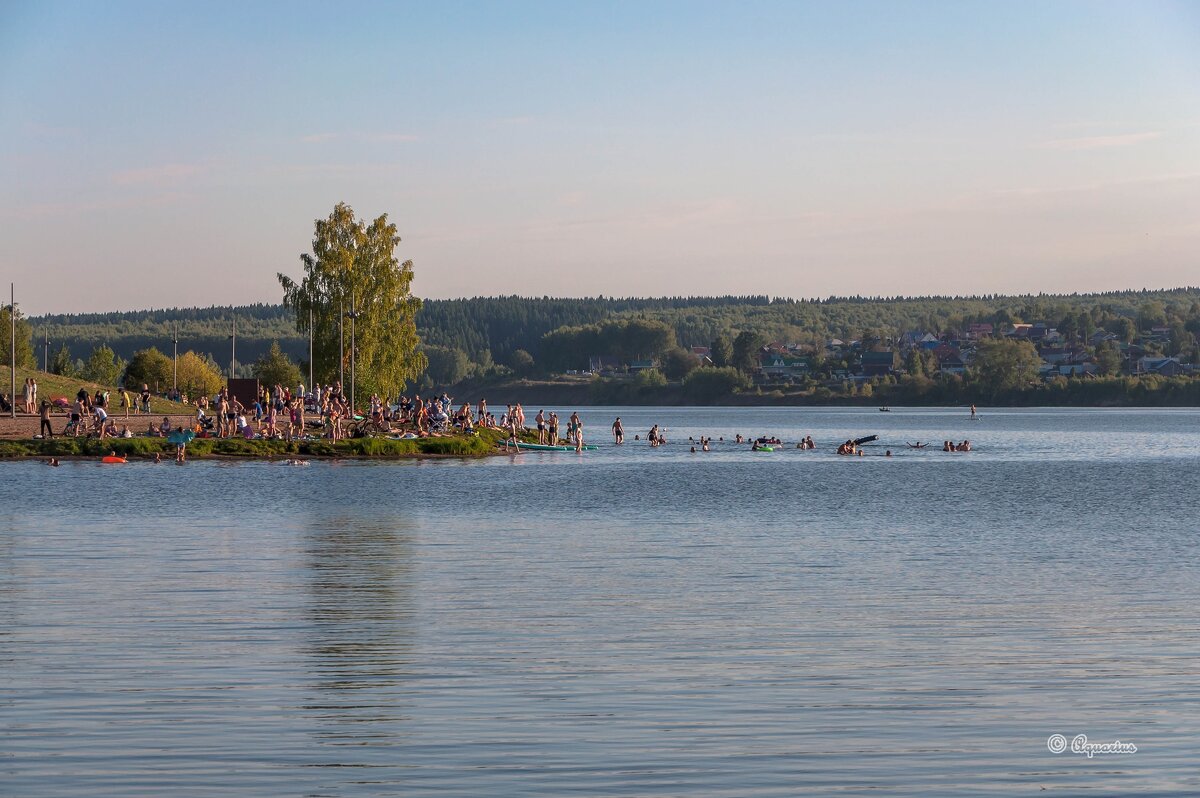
point(24, 427)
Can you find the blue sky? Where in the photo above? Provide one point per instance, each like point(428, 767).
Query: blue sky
point(158, 154)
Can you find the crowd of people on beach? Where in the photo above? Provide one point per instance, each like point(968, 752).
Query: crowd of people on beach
point(281, 412)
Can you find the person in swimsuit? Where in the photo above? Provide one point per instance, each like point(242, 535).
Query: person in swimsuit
point(77, 411)
point(618, 431)
point(578, 431)
point(541, 426)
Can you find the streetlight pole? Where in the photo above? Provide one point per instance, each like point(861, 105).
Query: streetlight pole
point(353, 346)
point(341, 344)
point(233, 349)
point(12, 316)
point(175, 357)
point(310, 348)
point(46, 354)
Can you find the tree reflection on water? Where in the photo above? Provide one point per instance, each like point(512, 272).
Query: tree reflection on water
point(361, 618)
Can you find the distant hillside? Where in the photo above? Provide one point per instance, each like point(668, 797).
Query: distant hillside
point(491, 329)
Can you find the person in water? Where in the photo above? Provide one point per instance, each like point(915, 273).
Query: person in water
point(618, 432)
point(578, 431)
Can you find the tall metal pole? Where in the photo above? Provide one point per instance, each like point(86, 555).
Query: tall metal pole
point(46, 355)
point(341, 344)
point(12, 316)
point(233, 349)
point(175, 356)
point(353, 316)
point(310, 348)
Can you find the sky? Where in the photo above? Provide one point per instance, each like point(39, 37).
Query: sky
point(164, 154)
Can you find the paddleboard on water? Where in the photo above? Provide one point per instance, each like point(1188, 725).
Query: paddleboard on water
point(545, 447)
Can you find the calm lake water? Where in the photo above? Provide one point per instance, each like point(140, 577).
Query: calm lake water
point(626, 622)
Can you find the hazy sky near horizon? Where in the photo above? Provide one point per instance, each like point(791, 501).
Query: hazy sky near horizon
point(162, 154)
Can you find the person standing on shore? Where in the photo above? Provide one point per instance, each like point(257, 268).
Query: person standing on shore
point(618, 432)
point(541, 426)
point(44, 413)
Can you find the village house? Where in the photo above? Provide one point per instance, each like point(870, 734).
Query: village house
point(879, 364)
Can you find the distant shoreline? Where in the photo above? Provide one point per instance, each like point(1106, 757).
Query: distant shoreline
point(586, 394)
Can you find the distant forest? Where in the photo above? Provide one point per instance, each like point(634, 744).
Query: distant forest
point(489, 333)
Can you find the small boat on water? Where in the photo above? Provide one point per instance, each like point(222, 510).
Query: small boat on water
point(885, 410)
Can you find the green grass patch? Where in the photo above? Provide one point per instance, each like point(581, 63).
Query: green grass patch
point(383, 448)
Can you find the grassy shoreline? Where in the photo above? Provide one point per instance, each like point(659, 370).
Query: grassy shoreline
point(481, 445)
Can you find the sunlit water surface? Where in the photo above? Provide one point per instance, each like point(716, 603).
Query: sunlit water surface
point(630, 621)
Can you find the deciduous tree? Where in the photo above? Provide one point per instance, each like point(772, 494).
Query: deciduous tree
point(25, 358)
point(62, 363)
point(745, 350)
point(198, 375)
point(353, 268)
point(149, 367)
point(103, 366)
point(276, 368)
point(1002, 364)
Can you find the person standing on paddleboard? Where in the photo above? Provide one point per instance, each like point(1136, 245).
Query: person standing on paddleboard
point(577, 426)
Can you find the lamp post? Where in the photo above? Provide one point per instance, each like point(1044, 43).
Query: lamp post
point(12, 317)
point(175, 357)
point(310, 347)
point(353, 348)
point(341, 344)
point(233, 349)
point(46, 354)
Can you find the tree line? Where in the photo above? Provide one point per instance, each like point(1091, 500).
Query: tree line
point(462, 338)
